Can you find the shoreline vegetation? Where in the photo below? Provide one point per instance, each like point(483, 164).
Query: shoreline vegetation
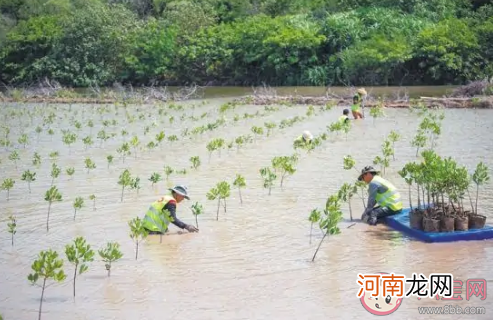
point(476, 95)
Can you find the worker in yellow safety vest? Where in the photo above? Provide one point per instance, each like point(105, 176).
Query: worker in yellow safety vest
point(358, 103)
point(305, 139)
point(163, 212)
point(344, 119)
point(383, 198)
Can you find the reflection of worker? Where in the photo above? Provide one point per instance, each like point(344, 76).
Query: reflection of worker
point(344, 119)
point(304, 139)
point(383, 198)
point(358, 103)
point(157, 217)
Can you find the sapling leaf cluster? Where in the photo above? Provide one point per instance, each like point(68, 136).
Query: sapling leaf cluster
point(393, 138)
point(92, 197)
point(215, 145)
point(14, 156)
point(137, 233)
point(47, 266)
point(124, 150)
point(197, 209)
point(29, 177)
point(12, 227)
point(89, 164)
point(155, 178)
point(240, 183)
point(268, 177)
point(111, 253)
point(329, 221)
point(36, 159)
point(51, 195)
point(55, 172)
point(7, 185)
point(125, 180)
point(168, 171)
point(78, 204)
point(79, 253)
point(220, 192)
point(284, 165)
point(23, 139)
point(314, 217)
point(109, 158)
point(480, 177)
point(195, 161)
point(345, 194)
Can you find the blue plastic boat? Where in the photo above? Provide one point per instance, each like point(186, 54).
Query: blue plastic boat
point(400, 222)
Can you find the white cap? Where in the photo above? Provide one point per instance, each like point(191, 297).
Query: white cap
point(307, 135)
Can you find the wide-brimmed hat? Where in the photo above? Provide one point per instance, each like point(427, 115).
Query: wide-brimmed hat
point(361, 91)
point(307, 135)
point(367, 169)
point(181, 190)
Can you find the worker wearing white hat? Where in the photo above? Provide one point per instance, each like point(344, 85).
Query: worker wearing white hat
point(304, 139)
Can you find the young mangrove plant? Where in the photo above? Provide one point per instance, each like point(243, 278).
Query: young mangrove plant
point(285, 166)
point(384, 160)
point(195, 161)
point(51, 195)
point(345, 194)
point(110, 254)
point(239, 183)
point(24, 140)
point(173, 138)
point(257, 131)
point(270, 126)
point(29, 177)
point(419, 141)
point(89, 164)
point(155, 178)
point(109, 158)
point(36, 159)
point(377, 111)
point(55, 172)
point(268, 178)
point(135, 184)
point(349, 163)
point(393, 138)
point(70, 171)
point(330, 220)
point(12, 228)
point(78, 204)
point(14, 156)
point(47, 266)
point(197, 209)
point(215, 145)
point(92, 197)
point(135, 142)
point(87, 142)
point(314, 217)
point(79, 253)
point(7, 185)
point(124, 150)
point(168, 171)
point(160, 137)
point(137, 233)
point(125, 180)
point(69, 138)
point(480, 177)
point(53, 155)
point(220, 192)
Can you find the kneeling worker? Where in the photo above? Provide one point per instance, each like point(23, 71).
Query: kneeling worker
point(157, 217)
point(383, 198)
point(305, 139)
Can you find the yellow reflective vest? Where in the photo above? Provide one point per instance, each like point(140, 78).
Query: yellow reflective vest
point(155, 219)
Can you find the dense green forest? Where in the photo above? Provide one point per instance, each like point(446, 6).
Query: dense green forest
point(82, 43)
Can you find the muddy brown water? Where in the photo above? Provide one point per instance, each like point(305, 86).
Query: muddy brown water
point(254, 263)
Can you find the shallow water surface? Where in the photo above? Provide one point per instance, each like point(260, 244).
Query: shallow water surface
point(254, 263)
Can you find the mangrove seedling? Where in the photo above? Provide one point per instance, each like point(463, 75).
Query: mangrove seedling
point(29, 177)
point(330, 220)
point(407, 173)
point(55, 172)
point(313, 218)
point(135, 185)
point(239, 183)
point(79, 253)
point(12, 227)
point(195, 160)
point(168, 171)
point(311, 111)
point(110, 254)
point(36, 159)
point(109, 158)
point(135, 142)
point(124, 150)
point(480, 177)
point(284, 166)
point(197, 209)
point(53, 155)
point(137, 233)
point(346, 192)
point(8, 184)
point(89, 164)
point(69, 138)
point(419, 141)
point(270, 126)
point(384, 160)
point(38, 132)
point(125, 180)
point(155, 178)
point(377, 111)
point(46, 266)
point(51, 196)
point(393, 138)
point(257, 131)
point(173, 138)
point(220, 192)
point(102, 136)
point(160, 137)
point(268, 178)
point(215, 144)
point(70, 171)
point(92, 197)
point(87, 142)
point(78, 204)
point(23, 139)
point(349, 163)
point(14, 156)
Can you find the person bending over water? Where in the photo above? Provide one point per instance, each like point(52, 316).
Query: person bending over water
point(358, 103)
point(344, 119)
point(383, 198)
point(305, 139)
point(157, 215)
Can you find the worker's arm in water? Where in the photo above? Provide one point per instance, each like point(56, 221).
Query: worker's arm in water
point(373, 188)
point(171, 207)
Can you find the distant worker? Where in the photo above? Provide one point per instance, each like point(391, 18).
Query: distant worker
point(344, 119)
point(358, 103)
point(383, 198)
point(305, 139)
point(157, 219)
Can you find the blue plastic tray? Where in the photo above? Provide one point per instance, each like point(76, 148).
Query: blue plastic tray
point(400, 222)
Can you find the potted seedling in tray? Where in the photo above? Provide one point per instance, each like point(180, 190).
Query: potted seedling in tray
point(480, 177)
point(79, 253)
